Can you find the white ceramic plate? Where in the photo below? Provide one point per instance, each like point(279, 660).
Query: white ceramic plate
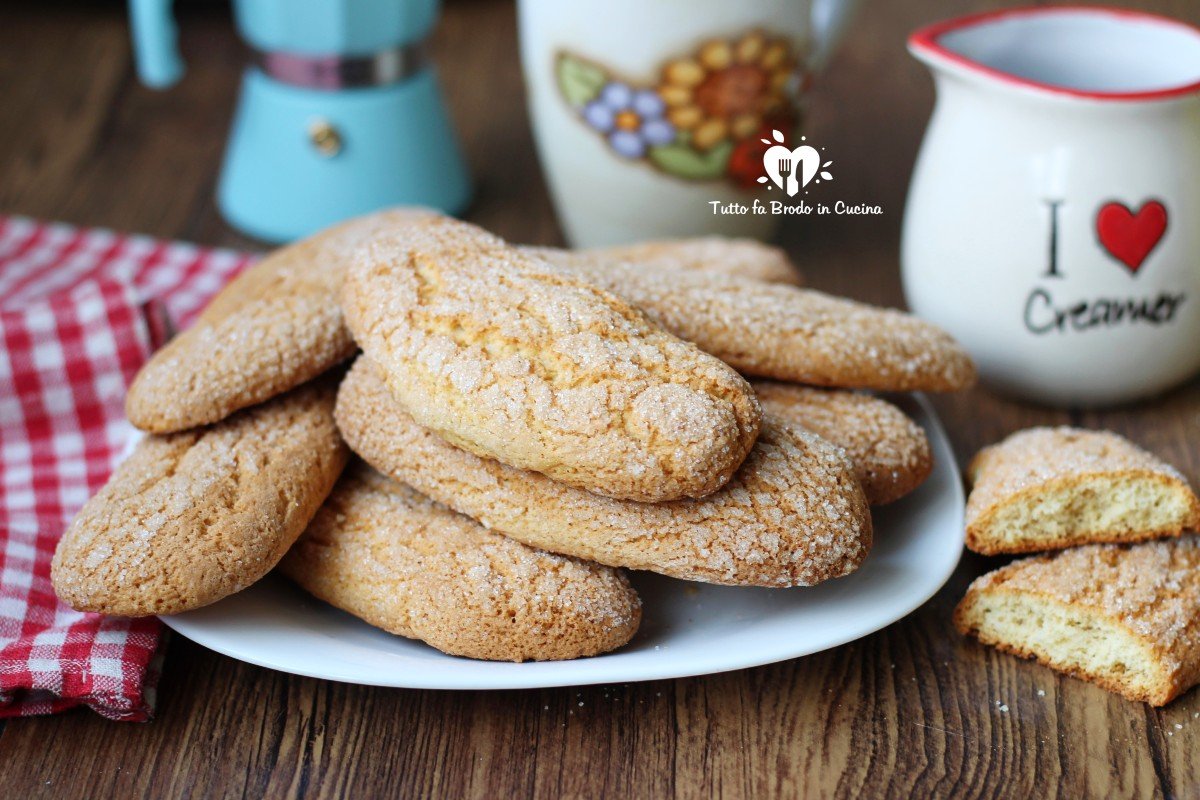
point(687, 628)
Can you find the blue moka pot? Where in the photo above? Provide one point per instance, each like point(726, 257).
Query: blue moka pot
point(340, 113)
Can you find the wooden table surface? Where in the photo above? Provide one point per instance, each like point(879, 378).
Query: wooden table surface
point(911, 711)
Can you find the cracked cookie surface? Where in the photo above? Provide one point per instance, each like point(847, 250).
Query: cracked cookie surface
point(792, 515)
point(1050, 488)
point(511, 358)
point(1126, 617)
point(195, 516)
point(272, 328)
point(746, 258)
point(784, 332)
point(889, 451)
point(402, 562)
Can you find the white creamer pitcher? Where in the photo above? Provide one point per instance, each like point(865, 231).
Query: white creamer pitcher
point(1053, 221)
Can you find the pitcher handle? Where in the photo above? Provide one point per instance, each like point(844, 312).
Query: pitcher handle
point(829, 21)
point(155, 42)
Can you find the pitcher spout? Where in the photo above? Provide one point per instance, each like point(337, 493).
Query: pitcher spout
point(1090, 54)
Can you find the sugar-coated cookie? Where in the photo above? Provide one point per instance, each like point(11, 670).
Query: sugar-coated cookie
point(889, 451)
point(192, 517)
point(1049, 488)
point(511, 358)
point(793, 515)
point(413, 567)
point(275, 326)
point(746, 258)
point(1126, 617)
point(771, 330)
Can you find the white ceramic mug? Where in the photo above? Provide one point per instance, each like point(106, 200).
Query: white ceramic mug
point(647, 112)
point(1053, 221)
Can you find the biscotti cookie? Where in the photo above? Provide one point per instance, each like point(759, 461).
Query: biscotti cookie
point(511, 358)
point(275, 326)
point(1049, 488)
point(195, 516)
point(793, 515)
point(1126, 617)
point(889, 451)
point(744, 258)
point(771, 330)
point(413, 567)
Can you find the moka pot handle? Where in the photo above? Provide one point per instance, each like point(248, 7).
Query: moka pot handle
point(155, 42)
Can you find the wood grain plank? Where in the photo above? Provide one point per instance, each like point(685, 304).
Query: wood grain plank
point(49, 126)
point(912, 711)
point(1169, 427)
point(89, 144)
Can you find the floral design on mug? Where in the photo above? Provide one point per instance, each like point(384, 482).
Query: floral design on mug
point(633, 120)
point(707, 114)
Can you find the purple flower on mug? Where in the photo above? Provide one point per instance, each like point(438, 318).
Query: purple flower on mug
point(631, 119)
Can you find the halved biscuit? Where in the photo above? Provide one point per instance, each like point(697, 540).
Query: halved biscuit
point(745, 258)
point(413, 567)
point(513, 359)
point(792, 515)
point(192, 517)
point(1050, 488)
point(1124, 617)
point(889, 451)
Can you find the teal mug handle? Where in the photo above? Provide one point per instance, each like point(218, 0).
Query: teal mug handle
point(155, 42)
point(829, 21)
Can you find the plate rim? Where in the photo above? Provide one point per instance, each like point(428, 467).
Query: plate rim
point(531, 677)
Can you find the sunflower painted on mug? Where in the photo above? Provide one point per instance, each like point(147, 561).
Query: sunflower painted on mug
point(704, 115)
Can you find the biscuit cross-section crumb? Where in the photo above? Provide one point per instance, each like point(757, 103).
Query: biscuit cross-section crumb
point(514, 359)
point(1049, 488)
point(1124, 617)
point(792, 515)
point(413, 567)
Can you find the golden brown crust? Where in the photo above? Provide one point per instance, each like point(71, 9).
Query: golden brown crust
point(889, 451)
point(1032, 465)
point(792, 515)
point(1149, 591)
point(192, 517)
point(786, 333)
point(275, 326)
point(413, 567)
point(744, 258)
point(511, 358)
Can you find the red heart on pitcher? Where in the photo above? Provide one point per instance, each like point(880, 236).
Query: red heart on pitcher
point(1130, 237)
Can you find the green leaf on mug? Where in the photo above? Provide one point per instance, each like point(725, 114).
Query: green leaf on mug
point(684, 162)
point(578, 80)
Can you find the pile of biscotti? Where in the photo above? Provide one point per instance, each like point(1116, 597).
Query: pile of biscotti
point(527, 423)
point(1116, 598)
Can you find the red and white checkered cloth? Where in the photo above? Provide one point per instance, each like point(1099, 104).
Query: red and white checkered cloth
point(80, 310)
